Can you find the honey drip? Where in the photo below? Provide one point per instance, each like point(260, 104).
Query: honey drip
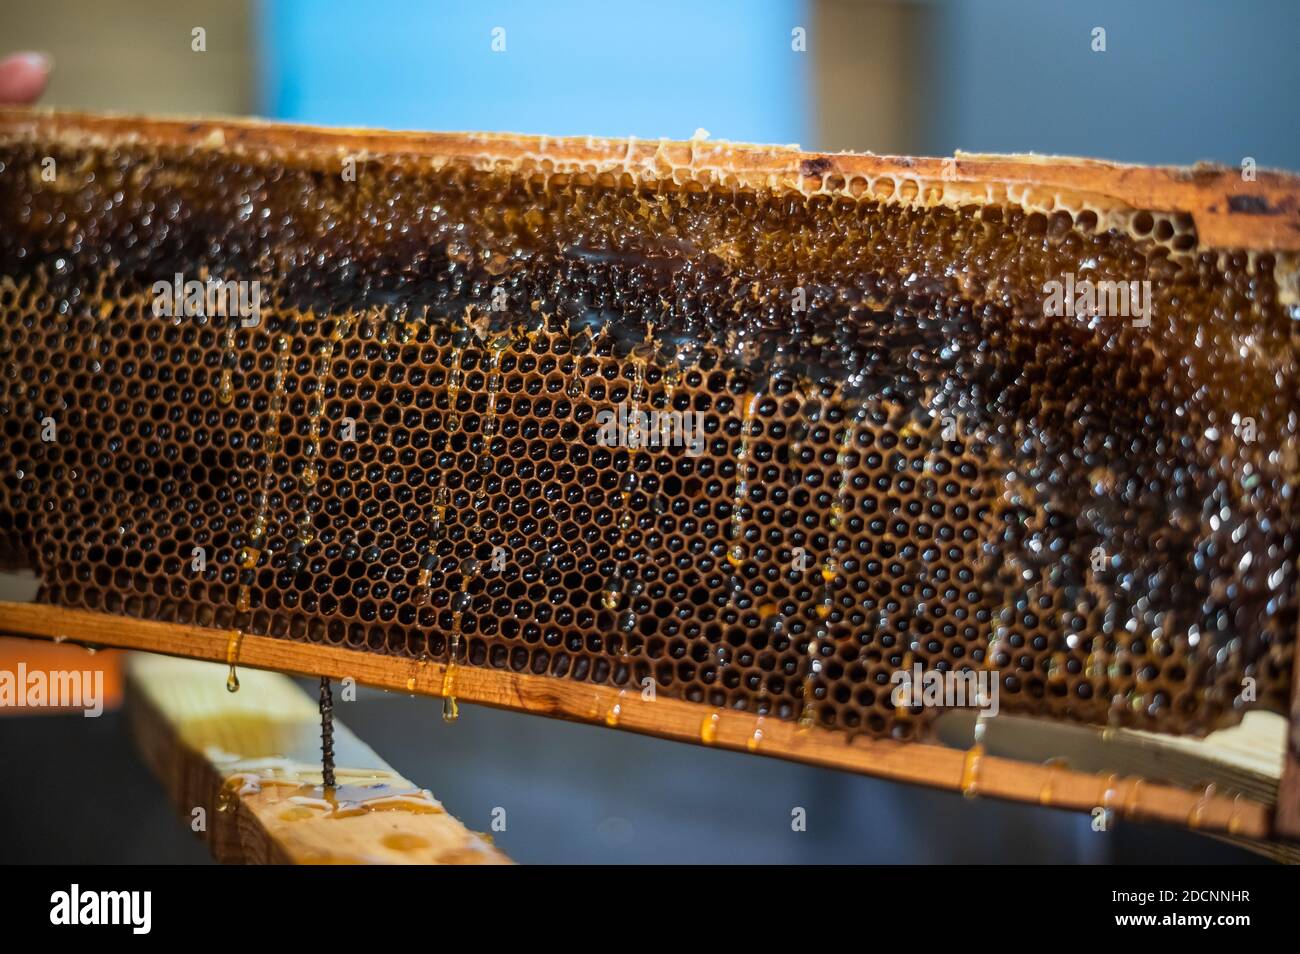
point(709, 728)
point(250, 555)
point(974, 759)
point(494, 346)
point(840, 505)
point(737, 552)
point(438, 523)
point(417, 669)
point(579, 346)
point(1197, 815)
point(312, 466)
point(1048, 791)
point(233, 645)
point(1234, 820)
point(455, 381)
point(970, 771)
point(1132, 798)
point(429, 560)
point(470, 570)
point(615, 712)
point(1108, 796)
point(226, 381)
point(450, 707)
point(762, 709)
point(613, 593)
point(438, 518)
point(95, 343)
point(671, 379)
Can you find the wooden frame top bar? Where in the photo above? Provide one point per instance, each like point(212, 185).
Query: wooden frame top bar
point(1230, 211)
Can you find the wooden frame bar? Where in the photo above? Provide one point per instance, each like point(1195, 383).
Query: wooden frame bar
point(1262, 213)
point(917, 763)
point(1287, 819)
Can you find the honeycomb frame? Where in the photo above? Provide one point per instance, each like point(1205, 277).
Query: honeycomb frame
point(658, 276)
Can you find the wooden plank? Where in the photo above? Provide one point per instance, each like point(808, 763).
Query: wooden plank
point(1131, 798)
point(247, 765)
point(1287, 818)
point(1240, 762)
point(1244, 759)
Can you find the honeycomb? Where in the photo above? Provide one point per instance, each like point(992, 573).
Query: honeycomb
point(890, 454)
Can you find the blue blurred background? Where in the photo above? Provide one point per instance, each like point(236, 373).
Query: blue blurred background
point(1178, 81)
point(575, 68)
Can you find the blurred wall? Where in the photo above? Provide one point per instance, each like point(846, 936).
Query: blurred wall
point(872, 75)
point(1179, 81)
point(136, 56)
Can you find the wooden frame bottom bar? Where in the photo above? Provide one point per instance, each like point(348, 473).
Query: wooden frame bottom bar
point(915, 762)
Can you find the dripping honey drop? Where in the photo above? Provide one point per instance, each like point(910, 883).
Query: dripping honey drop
point(460, 602)
point(709, 728)
point(233, 646)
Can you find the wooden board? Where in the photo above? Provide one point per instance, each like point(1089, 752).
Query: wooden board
point(1288, 792)
point(1244, 761)
point(244, 769)
point(1133, 797)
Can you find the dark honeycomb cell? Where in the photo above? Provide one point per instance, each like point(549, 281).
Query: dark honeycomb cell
point(900, 459)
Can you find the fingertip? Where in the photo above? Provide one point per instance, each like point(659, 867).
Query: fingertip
point(23, 76)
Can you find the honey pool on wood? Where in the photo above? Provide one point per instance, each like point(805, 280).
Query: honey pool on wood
point(251, 762)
